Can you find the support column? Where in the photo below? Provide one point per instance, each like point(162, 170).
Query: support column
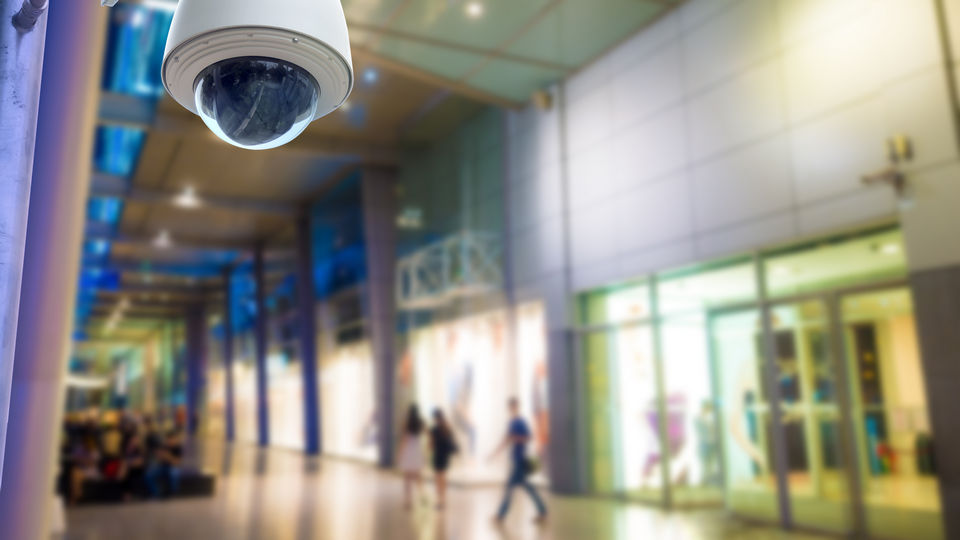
point(196, 334)
point(64, 144)
point(379, 211)
point(21, 66)
point(228, 357)
point(308, 337)
point(936, 295)
point(260, 334)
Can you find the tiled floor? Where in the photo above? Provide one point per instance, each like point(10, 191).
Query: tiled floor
point(280, 495)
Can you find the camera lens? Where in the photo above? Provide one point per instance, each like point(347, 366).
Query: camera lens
point(256, 103)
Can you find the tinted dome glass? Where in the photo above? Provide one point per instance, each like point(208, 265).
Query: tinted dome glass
point(256, 103)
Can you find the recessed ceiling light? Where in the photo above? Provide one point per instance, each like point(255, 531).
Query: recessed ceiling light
point(782, 271)
point(187, 198)
point(475, 9)
point(890, 249)
point(163, 240)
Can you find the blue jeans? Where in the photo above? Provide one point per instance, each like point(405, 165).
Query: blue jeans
point(159, 473)
point(518, 478)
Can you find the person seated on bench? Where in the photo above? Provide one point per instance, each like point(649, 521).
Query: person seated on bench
point(134, 456)
point(165, 460)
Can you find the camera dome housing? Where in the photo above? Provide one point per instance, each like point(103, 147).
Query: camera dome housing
point(257, 72)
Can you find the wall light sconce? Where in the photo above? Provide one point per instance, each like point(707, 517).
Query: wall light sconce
point(899, 150)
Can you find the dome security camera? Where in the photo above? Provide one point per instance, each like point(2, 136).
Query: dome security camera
point(258, 72)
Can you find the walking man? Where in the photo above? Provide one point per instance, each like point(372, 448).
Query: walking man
point(518, 435)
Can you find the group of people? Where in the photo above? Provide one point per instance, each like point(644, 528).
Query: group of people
point(138, 453)
point(443, 447)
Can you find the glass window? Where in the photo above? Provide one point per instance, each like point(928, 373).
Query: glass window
point(831, 264)
point(894, 437)
point(692, 423)
point(699, 289)
point(817, 476)
point(744, 414)
point(624, 447)
point(616, 305)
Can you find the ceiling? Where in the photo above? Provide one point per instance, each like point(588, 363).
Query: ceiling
point(424, 67)
point(504, 50)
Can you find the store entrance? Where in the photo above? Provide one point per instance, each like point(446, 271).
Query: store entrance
point(824, 414)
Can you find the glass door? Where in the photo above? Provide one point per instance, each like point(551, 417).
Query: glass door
point(817, 477)
point(623, 442)
point(736, 342)
point(891, 426)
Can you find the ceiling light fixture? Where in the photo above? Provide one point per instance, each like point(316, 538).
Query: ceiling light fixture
point(890, 249)
point(187, 199)
point(163, 240)
point(475, 9)
point(782, 271)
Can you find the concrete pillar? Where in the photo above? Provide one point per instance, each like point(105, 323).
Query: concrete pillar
point(260, 335)
point(306, 302)
point(378, 188)
point(65, 129)
point(228, 357)
point(21, 63)
point(930, 232)
point(196, 331)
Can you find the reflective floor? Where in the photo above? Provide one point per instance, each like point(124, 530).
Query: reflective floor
point(280, 495)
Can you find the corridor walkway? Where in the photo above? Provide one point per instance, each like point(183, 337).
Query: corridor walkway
point(280, 495)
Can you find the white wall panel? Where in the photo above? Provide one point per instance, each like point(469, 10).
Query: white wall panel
point(653, 214)
point(743, 109)
point(729, 43)
point(752, 182)
point(831, 155)
point(862, 206)
point(730, 125)
point(746, 237)
point(650, 149)
point(593, 234)
point(648, 86)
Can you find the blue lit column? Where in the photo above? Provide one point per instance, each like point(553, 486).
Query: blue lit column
point(64, 146)
point(228, 355)
point(308, 337)
point(196, 333)
point(263, 407)
point(379, 222)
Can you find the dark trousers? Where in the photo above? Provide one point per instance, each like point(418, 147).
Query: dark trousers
point(518, 478)
point(159, 474)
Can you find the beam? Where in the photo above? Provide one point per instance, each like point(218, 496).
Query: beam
point(177, 242)
point(159, 289)
point(136, 266)
point(491, 54)
point(106, 185)
point(106, 314)
point(366, 55)
point(117, 111)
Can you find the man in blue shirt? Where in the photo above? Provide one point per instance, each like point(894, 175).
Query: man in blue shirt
point(518, 435)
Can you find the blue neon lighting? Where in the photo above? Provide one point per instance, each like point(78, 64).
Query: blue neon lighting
point(118, 149)
point(135, 44)
point(105, 210)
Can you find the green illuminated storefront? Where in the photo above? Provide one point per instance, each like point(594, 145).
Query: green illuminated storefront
point(786, 385)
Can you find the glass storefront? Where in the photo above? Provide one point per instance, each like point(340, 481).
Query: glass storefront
point(347, 402)
point(469, 369)
point(786, 386)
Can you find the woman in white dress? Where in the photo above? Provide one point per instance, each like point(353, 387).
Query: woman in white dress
point(411, 458)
